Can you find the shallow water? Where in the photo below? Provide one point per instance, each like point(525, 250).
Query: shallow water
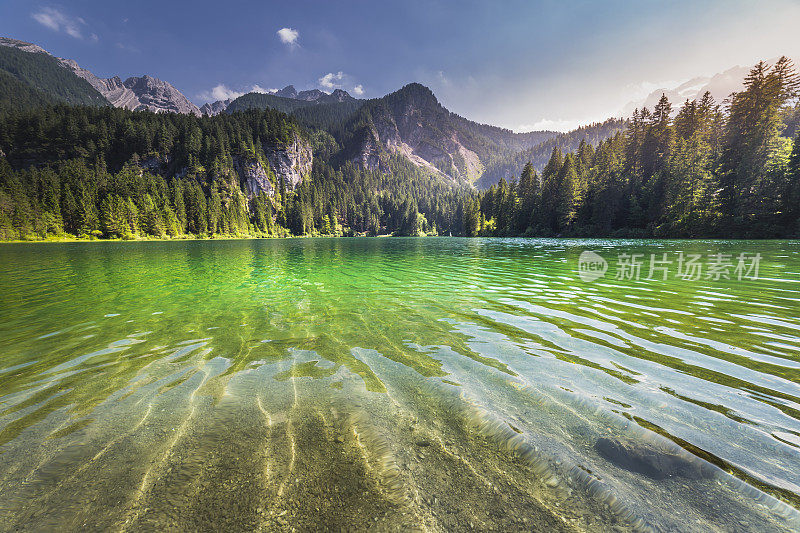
point(395, 384)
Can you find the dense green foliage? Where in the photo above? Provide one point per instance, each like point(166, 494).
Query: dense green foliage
point(17, 95)
point(329, 116)
point(320, 114)
point(114, 135)
point(117, 173)
point(43, 78)
point(266, 101)
point(703, 173)
point(504, 165)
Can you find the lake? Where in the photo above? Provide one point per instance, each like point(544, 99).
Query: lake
point(395, 384)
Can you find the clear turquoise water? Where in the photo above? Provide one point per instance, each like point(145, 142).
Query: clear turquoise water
point(394, 384)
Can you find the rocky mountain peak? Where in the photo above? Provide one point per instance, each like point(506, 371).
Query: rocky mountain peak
point(287, 92)
point(310, 96)
point(136, 93)
point(340, 96)
point(418, 94)
point(157, 95)
point(215, 108)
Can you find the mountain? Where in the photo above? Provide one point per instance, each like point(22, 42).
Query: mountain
point(413, 123)
point(313, 95)
point(287, 99)
point(20, 96)
point(266, 101)
point(135, 93)
point(538, 155)
point(22, 45)
point(287, 92)
point(215, 108)
point(39, 77)
point(310, 96)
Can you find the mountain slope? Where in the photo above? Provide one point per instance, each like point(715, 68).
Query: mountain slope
point(20, 96)
point(287, 100)
point(54, 76)
point(412, 122)
point(538, 155)
point(136, 93)
point(43, 73)
point(265, 101)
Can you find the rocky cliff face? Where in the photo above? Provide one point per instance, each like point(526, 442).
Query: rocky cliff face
point(137, 93)
point(340, 96)
point(22, 45)
point(314, 95)
point(413, 123)
point(255, 178)
point(156, 95)
point(287, 92)
point(292, 162)
point(310, 96)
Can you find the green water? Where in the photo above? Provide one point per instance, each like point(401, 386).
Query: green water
point(395, 384)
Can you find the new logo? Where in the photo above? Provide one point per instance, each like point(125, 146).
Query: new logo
point(591, 266)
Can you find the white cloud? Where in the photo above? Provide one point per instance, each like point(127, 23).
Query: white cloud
point(222, 92)
point(288, 36)
point(57, 21)
point(332, 81)
point(259, 89)
point(358, 90)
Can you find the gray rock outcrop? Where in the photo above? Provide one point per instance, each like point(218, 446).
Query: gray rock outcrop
point(292, 162)
point(215, 108)
point(255, 178)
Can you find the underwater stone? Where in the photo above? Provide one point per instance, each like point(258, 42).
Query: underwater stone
point(648, 460)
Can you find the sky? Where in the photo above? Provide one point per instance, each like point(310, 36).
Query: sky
point(523, 65)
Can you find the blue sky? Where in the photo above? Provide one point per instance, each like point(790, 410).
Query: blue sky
point(518, 64)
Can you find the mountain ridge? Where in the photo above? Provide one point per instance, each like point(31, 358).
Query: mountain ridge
point(135, 93)
point(410, 122)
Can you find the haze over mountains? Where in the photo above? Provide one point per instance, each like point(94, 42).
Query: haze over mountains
point(720, 85)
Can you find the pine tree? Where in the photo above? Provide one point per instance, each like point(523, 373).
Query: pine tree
point(754, 124)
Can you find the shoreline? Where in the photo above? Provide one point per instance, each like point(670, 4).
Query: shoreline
point(252, 237)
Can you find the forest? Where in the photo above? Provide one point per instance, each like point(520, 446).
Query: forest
point(710, 171)
point(722, 169)
point(102, 172)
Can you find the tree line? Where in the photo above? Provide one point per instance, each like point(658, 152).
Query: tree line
point(705, 171)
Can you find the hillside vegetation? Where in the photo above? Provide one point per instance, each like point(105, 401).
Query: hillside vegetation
point(43, 74)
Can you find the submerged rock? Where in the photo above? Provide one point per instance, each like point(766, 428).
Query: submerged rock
point(649, 460)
